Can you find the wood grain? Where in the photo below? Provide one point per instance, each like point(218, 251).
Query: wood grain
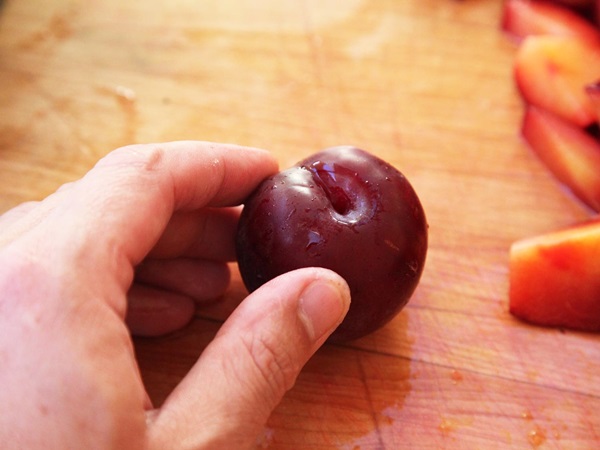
point(426, 85)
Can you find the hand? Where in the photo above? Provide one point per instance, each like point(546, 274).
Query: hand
point(154, 223)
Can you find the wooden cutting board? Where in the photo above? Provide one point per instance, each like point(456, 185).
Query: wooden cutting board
point(426, 85)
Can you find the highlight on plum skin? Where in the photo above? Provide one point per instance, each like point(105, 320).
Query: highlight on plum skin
point(346, 210)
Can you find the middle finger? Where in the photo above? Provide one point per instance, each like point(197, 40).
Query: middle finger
point(205, 234)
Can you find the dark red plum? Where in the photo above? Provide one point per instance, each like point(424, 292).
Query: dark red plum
point(346, 210)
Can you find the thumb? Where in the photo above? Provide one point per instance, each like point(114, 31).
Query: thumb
point(228, 396)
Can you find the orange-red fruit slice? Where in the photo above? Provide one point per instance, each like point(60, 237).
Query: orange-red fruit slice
point(555, 278)
point(552, 72)
point(522, 18)
point(593, 91)
point(569, 152)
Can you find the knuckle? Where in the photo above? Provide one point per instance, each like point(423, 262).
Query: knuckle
point(139, 157)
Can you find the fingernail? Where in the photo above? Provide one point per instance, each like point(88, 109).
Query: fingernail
point(322, 307)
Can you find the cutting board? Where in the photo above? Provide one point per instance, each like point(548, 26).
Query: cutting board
point(424, 84)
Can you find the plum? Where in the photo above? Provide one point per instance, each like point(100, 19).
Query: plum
point(346, 210)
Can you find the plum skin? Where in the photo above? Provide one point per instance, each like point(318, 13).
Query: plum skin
point(346, 210)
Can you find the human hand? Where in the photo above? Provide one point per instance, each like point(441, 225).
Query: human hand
point(153, 223)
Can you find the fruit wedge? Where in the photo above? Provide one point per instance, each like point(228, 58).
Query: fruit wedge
point(522, 18)
point(555, 278)
point(569, 152)
point(593, 91)
point(552, 72)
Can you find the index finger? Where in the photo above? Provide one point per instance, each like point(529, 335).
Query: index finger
point(190, 174)
point(147, 183)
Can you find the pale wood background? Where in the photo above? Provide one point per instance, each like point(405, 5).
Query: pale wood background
point(425, 84)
